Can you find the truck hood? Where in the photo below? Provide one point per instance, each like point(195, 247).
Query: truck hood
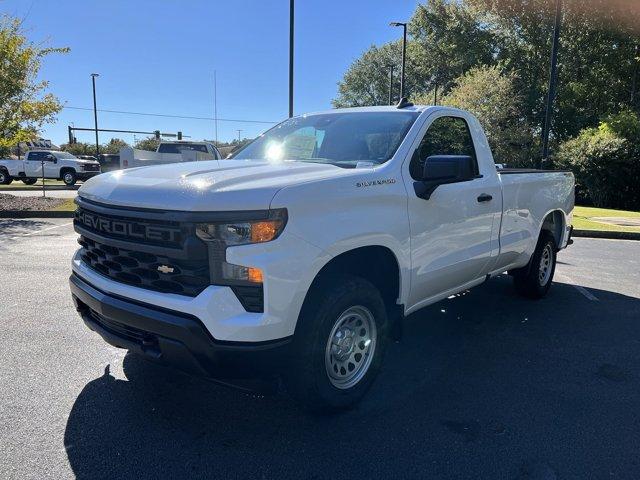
point(205, 185)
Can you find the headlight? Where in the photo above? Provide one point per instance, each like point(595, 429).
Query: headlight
point(219, 236)
point(243, 233)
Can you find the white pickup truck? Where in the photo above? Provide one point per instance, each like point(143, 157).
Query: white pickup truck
point(169, 152)
point(301, 255)
point(51, 164)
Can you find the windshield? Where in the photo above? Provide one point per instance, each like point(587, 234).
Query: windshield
point(339, 138)
point(64, 155)
point(180, 147)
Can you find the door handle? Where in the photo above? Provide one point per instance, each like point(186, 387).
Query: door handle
point(485, 197)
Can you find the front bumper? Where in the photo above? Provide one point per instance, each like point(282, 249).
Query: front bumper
point(175, 339)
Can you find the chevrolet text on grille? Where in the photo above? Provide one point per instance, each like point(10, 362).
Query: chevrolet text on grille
point(128, 229)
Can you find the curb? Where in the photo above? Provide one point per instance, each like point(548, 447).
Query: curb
point(35, 214)
point(609, 235)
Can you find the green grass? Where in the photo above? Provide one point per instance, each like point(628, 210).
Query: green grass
point(38, 185)
point(582, 219)
point(67, 206)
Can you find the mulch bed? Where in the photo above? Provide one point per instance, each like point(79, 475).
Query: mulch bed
point(38, 204)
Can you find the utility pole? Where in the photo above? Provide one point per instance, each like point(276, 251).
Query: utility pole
point(291, 18)
point(95, 110)
point(404, 52)
point(215, 105)
point(553, 78)
point(634, 78)
point(435, 94)
point(239, 130)
point(390, 84)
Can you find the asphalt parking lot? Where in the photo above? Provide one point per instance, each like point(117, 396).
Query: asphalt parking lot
point(484, 385)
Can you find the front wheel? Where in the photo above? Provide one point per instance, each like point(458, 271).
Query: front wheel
point(339, 344)
point(5, 178)
point(534, 280)
point(69, 178)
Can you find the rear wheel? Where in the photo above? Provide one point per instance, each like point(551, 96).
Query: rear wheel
point(339, 344)
point(69, 177)
point(535, 280)
point(29, 181)
point(5, 178)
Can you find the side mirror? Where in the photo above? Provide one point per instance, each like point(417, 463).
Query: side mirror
point(443, 169)
point(51, 158)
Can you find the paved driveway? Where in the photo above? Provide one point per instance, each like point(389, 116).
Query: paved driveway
point(485, 385)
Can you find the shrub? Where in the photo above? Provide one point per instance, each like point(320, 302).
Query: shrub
point(605, 164)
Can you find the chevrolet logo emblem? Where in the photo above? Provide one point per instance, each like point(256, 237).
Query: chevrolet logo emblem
point(165, 269)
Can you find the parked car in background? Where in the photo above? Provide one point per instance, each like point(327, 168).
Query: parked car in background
point(301, 255)
point(169, 152)
point(51, 164)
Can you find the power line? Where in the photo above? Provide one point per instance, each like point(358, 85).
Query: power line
point(173, 116)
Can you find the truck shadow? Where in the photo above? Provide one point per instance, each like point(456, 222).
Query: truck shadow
point(482, 385)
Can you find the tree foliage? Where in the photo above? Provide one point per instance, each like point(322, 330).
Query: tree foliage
point(149, 143)
point(448, 38)
point(606, 161)
point(113, 146)
point(24, 104)
point(491, 95)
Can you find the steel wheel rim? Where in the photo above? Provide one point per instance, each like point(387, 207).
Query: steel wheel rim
point(2, 177)
point(68, 178)
point(350, 347)
point(546, 263)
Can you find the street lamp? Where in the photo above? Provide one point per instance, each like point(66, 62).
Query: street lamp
point(95, 110)
point(404, 52)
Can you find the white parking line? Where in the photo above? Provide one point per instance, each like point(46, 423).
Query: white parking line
point(582, 290)
point(40, 231)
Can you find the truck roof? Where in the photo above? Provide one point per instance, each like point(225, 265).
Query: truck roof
point(380, 108)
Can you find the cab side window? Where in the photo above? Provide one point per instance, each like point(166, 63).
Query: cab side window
point(445, 136)
point(36, 156)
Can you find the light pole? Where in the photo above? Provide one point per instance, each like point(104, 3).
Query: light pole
point(291, 17)
point(553, 77)
point(95, 110)
point(239, 130)
point(390, 84)
point(404, 52)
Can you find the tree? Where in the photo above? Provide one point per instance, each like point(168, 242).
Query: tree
point(79, 148)
point(490, 94)
point(149, 143)
point(366, 82)
point(24, 105)
point(113, 146)
point(606, 161)
point(448, 39)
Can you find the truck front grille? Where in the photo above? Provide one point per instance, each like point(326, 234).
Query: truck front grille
point(146, 270)
point(161, 255)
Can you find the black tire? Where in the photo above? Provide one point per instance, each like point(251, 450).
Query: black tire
point(29, 181)
point(307, 373)
point(534, 280)
point(5, 178)
point(69, 178)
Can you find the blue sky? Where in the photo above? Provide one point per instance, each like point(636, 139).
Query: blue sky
point(159, 57)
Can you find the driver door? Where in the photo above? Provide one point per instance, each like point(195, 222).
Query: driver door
point(33, 164)
point(451, 230)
